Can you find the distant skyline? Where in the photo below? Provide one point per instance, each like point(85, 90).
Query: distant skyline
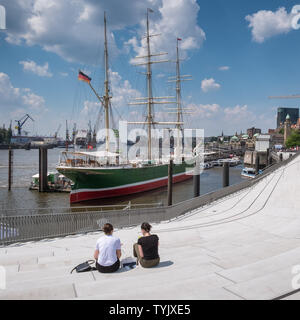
point(238, 52)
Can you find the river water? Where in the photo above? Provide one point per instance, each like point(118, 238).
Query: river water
point(26, 165)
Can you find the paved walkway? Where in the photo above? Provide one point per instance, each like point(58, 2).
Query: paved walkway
point(241, 247)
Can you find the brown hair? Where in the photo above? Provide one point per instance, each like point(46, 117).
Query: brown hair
point(146, 226)
point(108, 228)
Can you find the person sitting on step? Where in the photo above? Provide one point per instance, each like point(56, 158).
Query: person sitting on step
point(146, 249)
point(108, 251)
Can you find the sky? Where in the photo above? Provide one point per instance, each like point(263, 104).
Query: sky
point(238, 53)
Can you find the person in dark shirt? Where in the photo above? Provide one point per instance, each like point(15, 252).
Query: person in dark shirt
point(146, 249)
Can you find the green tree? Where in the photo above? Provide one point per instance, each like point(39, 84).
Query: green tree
point(2, 135)
point(5, 135)
point(293, 140)
point(8, 135)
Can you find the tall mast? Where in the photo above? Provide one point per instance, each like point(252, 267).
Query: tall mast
point(150, 100)
point(178, 96)
point(178, 79)
point(67, 135)
point(149, 88)
point(106, 96)
point(178, 88)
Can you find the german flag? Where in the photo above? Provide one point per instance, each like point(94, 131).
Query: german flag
point(83, 77)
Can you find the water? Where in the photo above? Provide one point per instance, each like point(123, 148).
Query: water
point(26, 165)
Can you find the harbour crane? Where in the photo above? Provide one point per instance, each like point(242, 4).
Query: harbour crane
point(21, 122)
point(74, 132)
point(56, 133)
point(67, 132)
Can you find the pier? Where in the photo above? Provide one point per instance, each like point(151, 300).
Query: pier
point(243, 245)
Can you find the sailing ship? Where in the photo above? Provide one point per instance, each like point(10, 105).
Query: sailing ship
point(94, 175)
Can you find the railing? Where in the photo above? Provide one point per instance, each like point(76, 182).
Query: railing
point(34, 227)
point(78, 209)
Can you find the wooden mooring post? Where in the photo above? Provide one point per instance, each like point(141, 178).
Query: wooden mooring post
point(225, 174)
point(10, 168)
point(43, 169)
point(196, 179)
point(170, 182)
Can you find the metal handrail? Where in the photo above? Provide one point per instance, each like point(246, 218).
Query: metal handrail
point(63, 210)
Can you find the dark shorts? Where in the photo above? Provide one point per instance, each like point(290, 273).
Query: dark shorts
point(109, 269)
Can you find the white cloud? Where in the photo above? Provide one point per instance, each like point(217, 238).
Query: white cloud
point(238, 113)
point(224, 68)
point(73, 29)
point(31, 66)
point(34, 102)
point(204, 111)
point(171, 19)
point(122, 93)
point(209, 84)
point(122, 90)
point(15, 102)
point(214, 118)
point(265, 24)
point(64, 74)
point(90, 108)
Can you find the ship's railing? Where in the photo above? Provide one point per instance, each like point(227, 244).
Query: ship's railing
point(73, 159)
point(40, 226)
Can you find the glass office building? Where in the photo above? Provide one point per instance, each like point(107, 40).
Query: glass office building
point(283, 112)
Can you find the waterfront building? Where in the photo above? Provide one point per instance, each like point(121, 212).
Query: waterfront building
point(282, 114)
point(251, 132)
point(262, 143)
point(245, 137)
point(277, 139)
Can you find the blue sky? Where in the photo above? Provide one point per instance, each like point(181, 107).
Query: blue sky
point(236, 62)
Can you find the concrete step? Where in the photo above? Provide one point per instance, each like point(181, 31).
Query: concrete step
point(193, 288)
point(54, 291)
point(268, 286)
point(262, 267)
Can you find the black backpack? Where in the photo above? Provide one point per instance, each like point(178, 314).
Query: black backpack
point(85, 266)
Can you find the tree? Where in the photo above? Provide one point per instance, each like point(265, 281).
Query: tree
point(293, 140)
point(5, 135)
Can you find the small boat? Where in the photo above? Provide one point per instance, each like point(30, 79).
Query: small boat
point(56, 182)
point(250, 172)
